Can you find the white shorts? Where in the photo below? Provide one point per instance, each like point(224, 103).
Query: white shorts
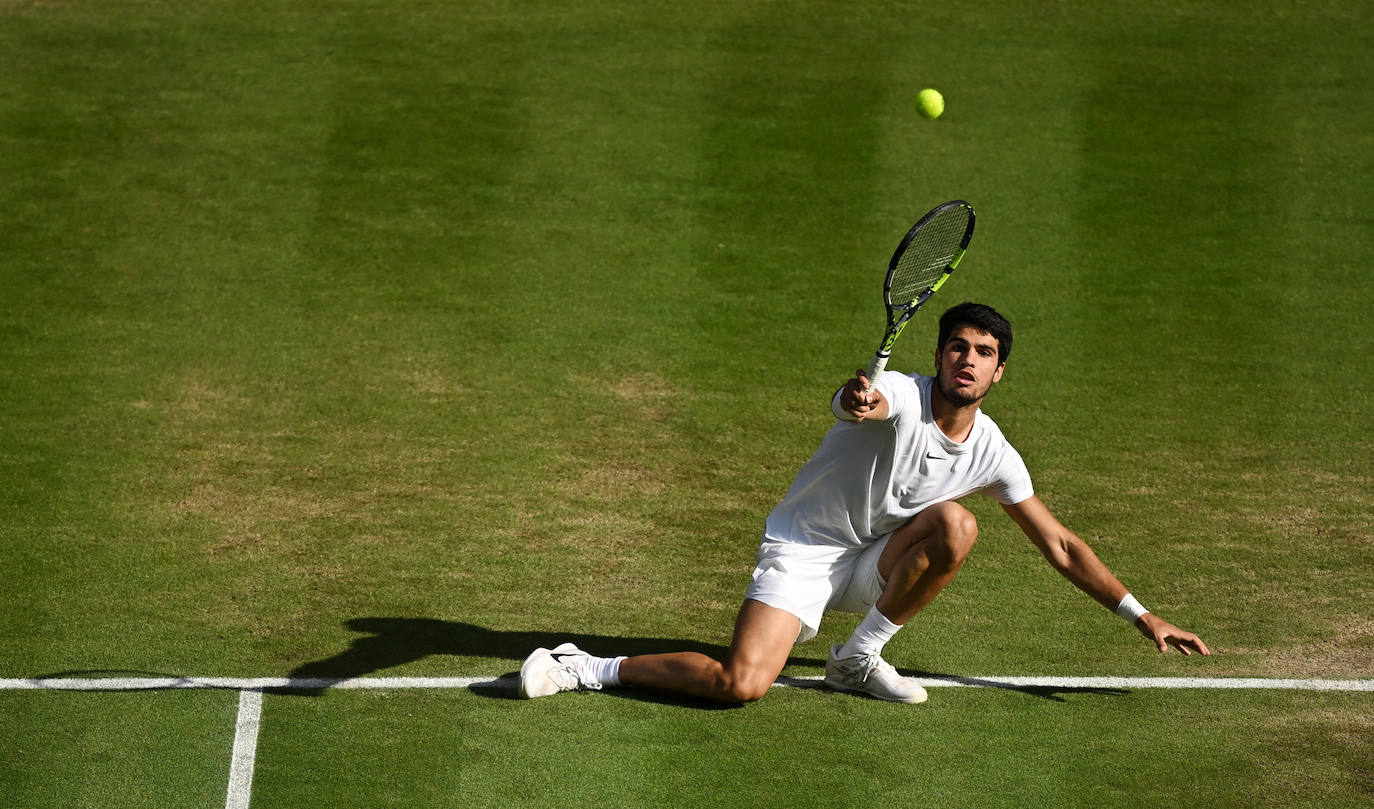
point(810, 580)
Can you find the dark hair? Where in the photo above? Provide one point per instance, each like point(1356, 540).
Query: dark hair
point(979, 316)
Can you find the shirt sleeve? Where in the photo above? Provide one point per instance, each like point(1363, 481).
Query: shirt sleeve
point(1011, 482)
point(900, 391)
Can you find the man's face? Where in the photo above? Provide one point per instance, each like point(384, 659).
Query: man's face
point(966, 366)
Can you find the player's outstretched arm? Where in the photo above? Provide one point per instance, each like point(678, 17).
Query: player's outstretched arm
point(1072, 557)
point(854, 403)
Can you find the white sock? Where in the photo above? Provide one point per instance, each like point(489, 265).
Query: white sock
point(872, 634)
point(602, 670)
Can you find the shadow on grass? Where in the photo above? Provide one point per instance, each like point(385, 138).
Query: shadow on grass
point(1049, 692)
point(390, 642)
point(386, 643)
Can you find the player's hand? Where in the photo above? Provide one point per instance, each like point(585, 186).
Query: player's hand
point(856, 400)
point(1165, 634)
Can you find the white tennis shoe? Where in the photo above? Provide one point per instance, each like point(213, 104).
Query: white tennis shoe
point(548, 671)
point(871, 675)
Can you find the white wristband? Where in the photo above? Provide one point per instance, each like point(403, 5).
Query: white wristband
point(1130, 609)
point(840, 412)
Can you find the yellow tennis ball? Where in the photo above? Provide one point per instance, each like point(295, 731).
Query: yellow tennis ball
point(930, 103)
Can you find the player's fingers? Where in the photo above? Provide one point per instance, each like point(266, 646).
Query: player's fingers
point(1192, 643)
point(1187, 643)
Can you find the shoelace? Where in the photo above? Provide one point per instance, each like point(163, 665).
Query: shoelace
point(868, 664)
point(860, 667)
point(563, 676)
point(567, 677)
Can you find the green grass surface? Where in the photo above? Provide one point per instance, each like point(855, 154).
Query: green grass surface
point(115, 750)
point(1003, 749)
point(974, 748)
point(472, 326)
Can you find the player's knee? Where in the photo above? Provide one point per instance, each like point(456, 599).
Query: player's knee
point(745, 690)
point(958, 532)
point(746, 686)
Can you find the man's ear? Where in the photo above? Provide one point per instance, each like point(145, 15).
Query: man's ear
point(997, 375)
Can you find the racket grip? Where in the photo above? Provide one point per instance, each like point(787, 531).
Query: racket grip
point(874, 368)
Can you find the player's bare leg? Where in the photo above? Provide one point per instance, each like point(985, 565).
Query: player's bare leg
point(762, 643)
point(919, 560)
point(922, 557)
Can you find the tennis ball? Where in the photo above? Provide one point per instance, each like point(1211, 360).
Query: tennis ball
point(930, 103)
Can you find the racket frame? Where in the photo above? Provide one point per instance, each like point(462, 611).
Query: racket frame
point(899, 313)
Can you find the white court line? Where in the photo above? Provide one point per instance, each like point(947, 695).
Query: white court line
point(251, 690)
point(508, 682)
point(245, 750)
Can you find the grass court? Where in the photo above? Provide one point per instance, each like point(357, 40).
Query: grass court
point(359, 339)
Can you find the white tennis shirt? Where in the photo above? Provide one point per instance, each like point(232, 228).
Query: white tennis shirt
point(868, 478)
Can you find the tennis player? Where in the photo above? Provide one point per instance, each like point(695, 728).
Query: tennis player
point(872, 525)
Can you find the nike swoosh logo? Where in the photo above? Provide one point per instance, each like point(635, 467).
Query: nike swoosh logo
point(935, 457)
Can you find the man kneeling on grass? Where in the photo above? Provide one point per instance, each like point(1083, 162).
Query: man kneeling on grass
point(872, 525)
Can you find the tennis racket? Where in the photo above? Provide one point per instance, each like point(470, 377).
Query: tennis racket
point(921, 265)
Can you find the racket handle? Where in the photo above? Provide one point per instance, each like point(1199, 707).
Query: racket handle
point(874, 368)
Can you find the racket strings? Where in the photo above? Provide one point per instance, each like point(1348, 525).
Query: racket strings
point(928, 255)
